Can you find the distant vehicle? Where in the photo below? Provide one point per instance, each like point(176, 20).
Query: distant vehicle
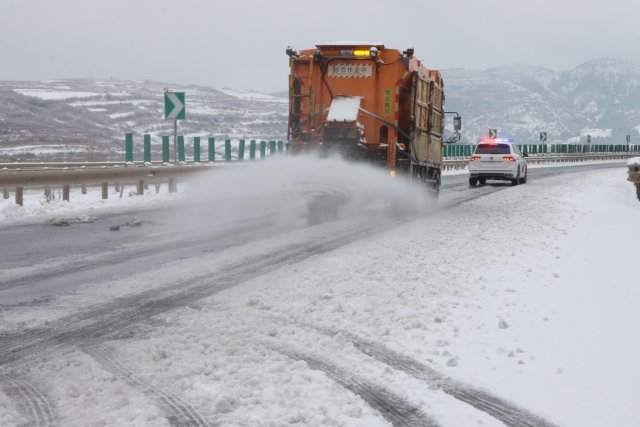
point(497, 159)
point(369, 103)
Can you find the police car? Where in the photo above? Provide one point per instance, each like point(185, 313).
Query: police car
point(498, 159)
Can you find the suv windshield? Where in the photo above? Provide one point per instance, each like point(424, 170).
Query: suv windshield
point(493, 149)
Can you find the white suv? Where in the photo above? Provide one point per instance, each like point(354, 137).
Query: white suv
point(497, 159)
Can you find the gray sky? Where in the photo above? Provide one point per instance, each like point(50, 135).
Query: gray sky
point(241, 43)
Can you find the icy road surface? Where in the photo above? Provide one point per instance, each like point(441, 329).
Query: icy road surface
point(506, 305)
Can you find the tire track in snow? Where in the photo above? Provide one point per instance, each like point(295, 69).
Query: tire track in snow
point(177, 411)
point(392, 407)
point(123, 313)
point(75, 263)
point(504, 411)
point(483, 400)
point(31, 402)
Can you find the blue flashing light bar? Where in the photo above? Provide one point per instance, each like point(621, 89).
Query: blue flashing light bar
point(497, 139)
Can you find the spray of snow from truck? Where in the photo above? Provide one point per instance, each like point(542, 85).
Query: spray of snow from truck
point(293, 190)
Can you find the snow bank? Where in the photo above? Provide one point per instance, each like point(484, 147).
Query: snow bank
point(633, 161)
point(38, 209)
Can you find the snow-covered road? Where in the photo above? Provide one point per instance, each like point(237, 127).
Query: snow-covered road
point(516, 308)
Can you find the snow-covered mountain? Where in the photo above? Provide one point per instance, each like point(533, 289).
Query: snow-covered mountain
point(600, 98)
point(87, 119)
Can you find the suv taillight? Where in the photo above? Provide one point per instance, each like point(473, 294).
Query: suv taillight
point(509, 158)
point(474, 158)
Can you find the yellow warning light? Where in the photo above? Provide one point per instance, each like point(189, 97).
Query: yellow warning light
point(362, 53)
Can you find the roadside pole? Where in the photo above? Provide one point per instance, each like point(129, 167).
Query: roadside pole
point(175, 142)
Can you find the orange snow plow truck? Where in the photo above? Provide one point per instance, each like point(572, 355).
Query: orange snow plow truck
point(368, 103)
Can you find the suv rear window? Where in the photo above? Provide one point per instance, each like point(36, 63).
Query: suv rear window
point(493, 149)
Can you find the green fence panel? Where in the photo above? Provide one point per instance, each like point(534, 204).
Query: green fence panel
point(227, 150)
point(280, 147)
point(147, 148)
point(128, 148)
point(241, 150)
point(166, 151)
point(212, 149)
point(196, 149)
point(263, 149)
point(252, 149)
point(181, 149)
point(272, 148)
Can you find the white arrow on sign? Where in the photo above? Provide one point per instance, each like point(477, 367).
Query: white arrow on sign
point(177, 106)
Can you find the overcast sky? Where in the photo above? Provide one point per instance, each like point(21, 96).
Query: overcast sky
point(241, 43)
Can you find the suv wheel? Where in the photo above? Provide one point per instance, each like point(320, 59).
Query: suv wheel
point(515, 180)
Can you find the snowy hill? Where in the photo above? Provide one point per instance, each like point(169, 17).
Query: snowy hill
point(600, 98)
point(87, 119)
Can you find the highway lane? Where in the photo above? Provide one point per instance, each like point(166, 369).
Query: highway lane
point(37, 261)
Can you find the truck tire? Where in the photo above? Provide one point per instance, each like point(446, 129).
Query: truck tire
point(473, 182)
point(482, 181)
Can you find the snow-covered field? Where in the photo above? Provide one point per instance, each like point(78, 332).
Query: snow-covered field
point(530, 292)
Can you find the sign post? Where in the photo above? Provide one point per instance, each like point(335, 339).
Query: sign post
point(174, 109)
point(628, 138)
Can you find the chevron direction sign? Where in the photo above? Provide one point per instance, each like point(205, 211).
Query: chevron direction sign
point(543, 137)
point(174, 106)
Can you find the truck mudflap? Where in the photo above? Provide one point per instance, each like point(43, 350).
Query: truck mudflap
point(428, 173)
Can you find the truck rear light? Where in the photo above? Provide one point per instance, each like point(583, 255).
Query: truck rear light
point(509, 158)
point(361, 53)
point(474, 158)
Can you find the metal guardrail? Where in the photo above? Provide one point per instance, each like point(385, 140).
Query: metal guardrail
point(33, 178)
point(45, 176)
point(59, 165)
point(462, 163)
point(461, 151)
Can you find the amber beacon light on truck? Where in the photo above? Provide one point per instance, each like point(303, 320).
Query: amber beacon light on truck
point(369, 103)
